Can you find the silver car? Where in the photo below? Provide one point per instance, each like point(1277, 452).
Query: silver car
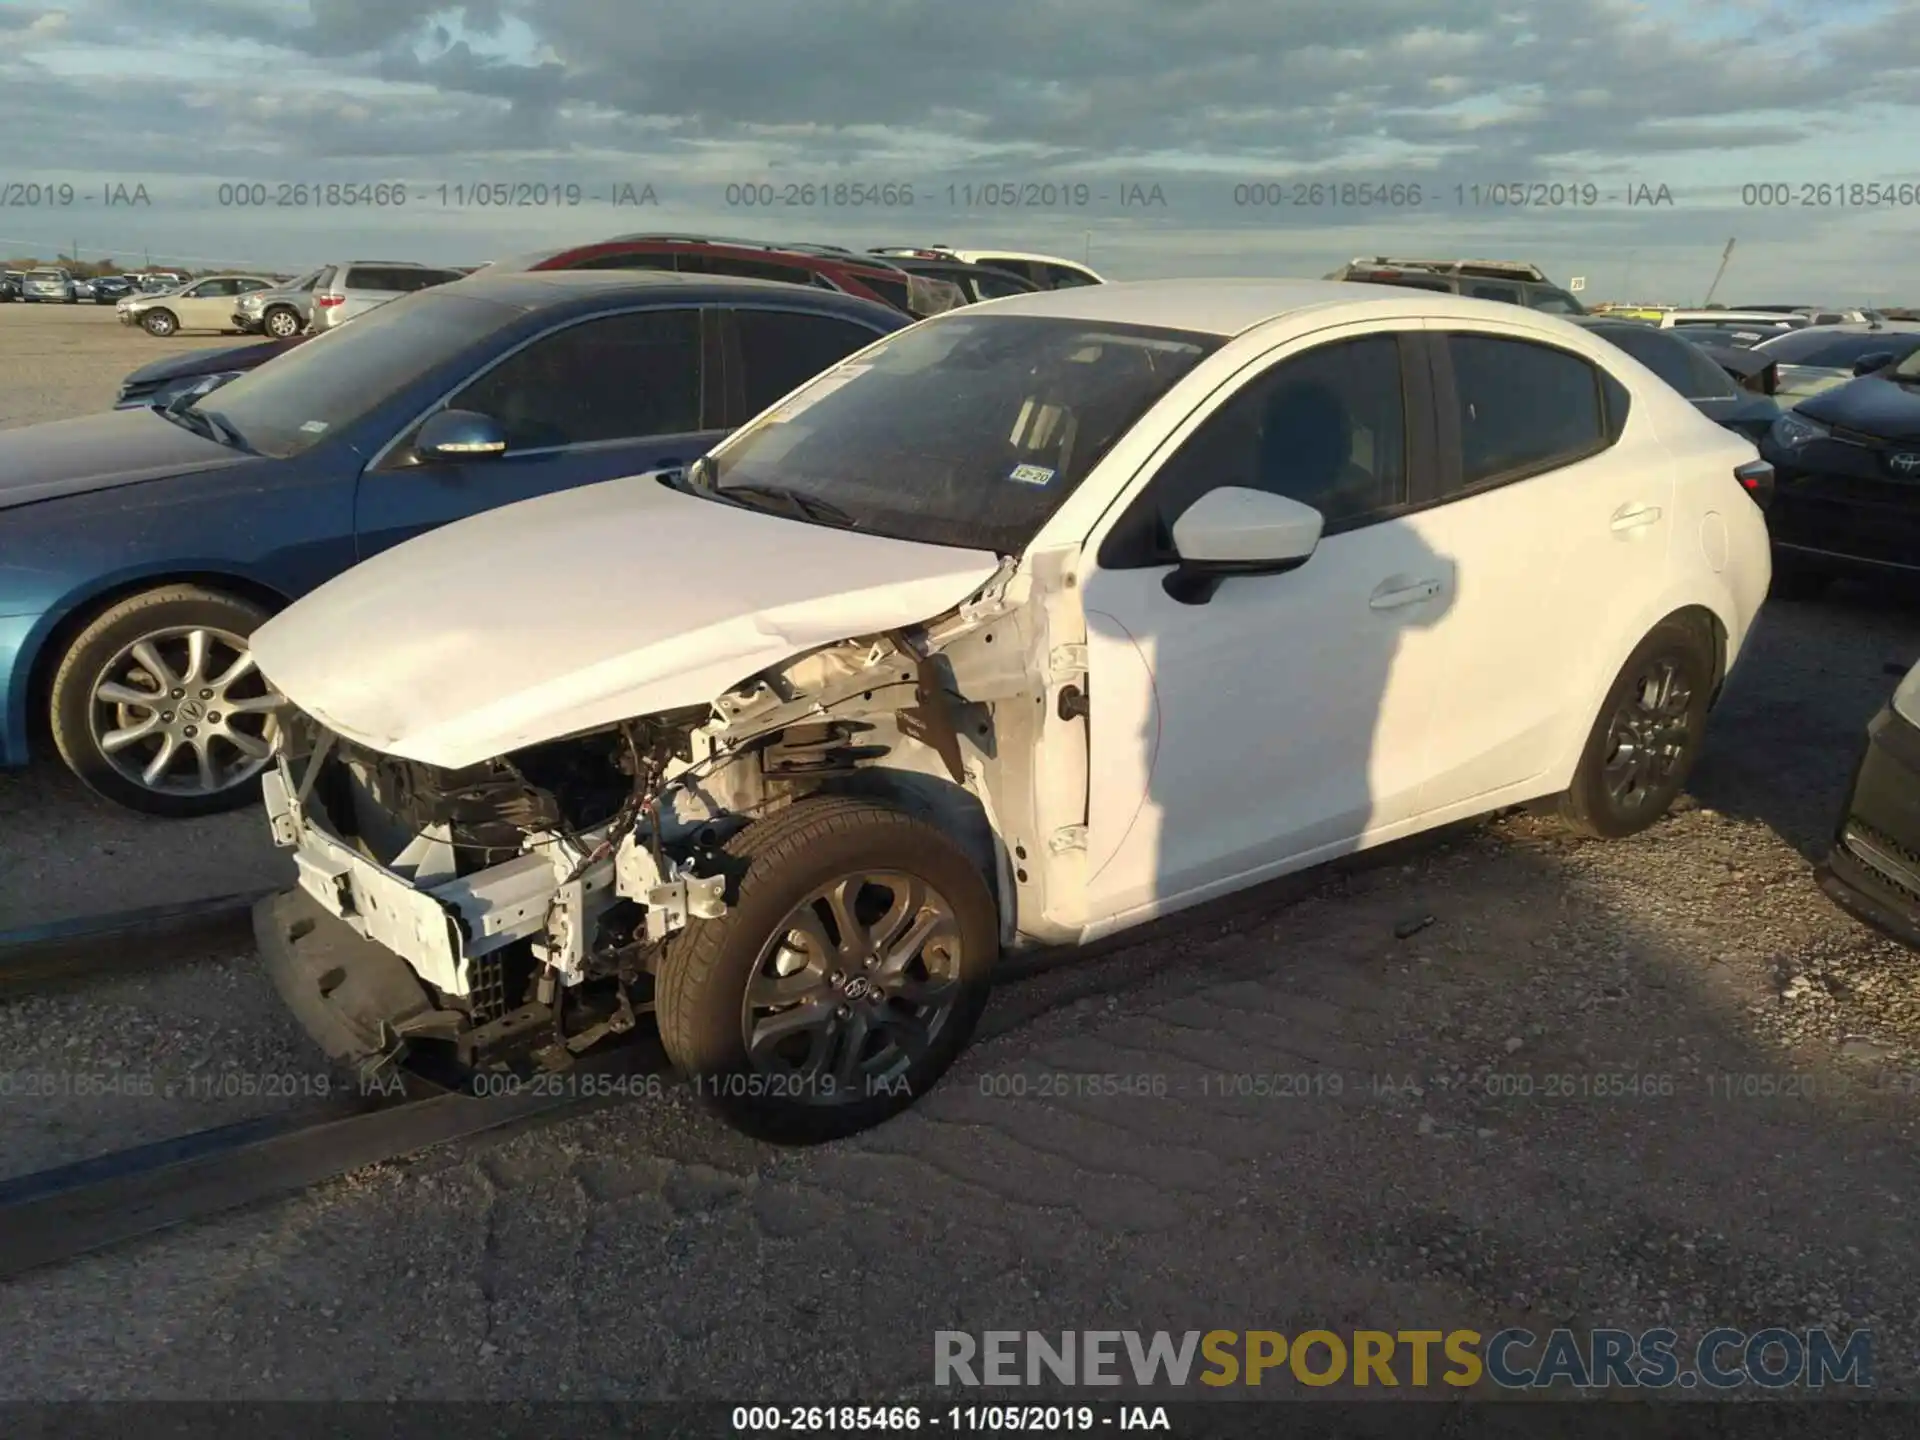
point(357, 286)
point(280, 312)
point(205, 304)
point(49, 286)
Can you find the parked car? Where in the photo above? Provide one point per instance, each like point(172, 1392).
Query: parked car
point(1735, 336)
point(1046, 272)
point(162, 282)
point(111, 289)
point(1705, 384)
point(280, 311)
point(1823, 356)
point(1762, 320)
point(82, 290)
point(1847, 467)
point(820, 266)
point(1511, 282)
point(204, 305)
point(48, 285)
point(1873, 868)
point(1819, 314)
point(347, 291)
point(142, 546)
point(10, 281)
point(974, 282)
point(983, 639)
point(198, 372)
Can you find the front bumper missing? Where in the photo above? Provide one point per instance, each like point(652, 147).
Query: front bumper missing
point(439, 927)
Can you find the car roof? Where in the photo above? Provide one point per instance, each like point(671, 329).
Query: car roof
point(971, 251)
point(800, 253)
point(1229, 307)
point(542, 289)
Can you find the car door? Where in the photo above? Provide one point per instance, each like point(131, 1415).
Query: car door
point(206, 306)
point(770, 352)
point(1282, 719)
point(1556, 505)
point(587, 401)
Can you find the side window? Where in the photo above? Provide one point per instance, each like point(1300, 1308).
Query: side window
point(1065, 277)
point(745, 269)
point(1506, 294)
point(623, 377)
point(1555, 302)
point(994, 287)
point(1523, 408)
point(632, 260)
point(365, 277)
point(780, 351)
point(1032, 274)
point(1327, 428)
point(245, 287)
point(207, 289)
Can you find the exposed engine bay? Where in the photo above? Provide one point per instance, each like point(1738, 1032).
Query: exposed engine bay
point(533, 895)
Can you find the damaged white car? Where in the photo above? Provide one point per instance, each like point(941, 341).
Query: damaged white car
point(1025, 625)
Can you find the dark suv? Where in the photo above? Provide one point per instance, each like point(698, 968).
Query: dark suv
point(1513, 282)
point(824, 267)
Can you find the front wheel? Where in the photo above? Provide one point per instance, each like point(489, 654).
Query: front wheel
point(281, 323)
point(844, 979)
point(1649, 733)
point(157, 704)
point(159, 322)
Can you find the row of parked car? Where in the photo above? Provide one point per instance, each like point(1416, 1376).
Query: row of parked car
point(56, 285)
point(610, 640)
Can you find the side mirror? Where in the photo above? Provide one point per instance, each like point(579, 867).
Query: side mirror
point(1233, 532)
point(458, 435)
point(1878, 360)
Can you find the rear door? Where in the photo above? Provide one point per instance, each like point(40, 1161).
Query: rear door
point(206, 306)
point(768, 353)
point(590, 400)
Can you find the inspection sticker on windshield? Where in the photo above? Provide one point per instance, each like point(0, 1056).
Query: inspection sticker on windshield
point(315, 427)
point(1032, 475)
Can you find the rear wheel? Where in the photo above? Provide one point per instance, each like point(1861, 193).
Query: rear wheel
point(157, 705)
point(844, 979)
point(1650, 731)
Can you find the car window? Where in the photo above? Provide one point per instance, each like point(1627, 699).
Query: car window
point(780, 350)
point(243, 287)
point(1682, 365)
point(1030, 273)
point(989, 286)
point(1836, 352)
point(1523, 408)
point(968, 429)
point(1556, 302)
point(1066, 277)
point(1507, 294)
point(207, 288)
point(401, 280)
point(628, 260)
point(893, 292)
point(1327, 428)
point(616, 378)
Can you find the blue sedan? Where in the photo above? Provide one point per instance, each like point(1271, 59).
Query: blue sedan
point(139, 548)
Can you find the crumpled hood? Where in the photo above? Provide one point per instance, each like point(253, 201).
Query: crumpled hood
point(101, 452)
point(1870, 404)
point(555, 615)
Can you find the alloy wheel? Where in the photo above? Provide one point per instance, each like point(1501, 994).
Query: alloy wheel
point(855, 985)
point(1649, 734)
point(184, 711)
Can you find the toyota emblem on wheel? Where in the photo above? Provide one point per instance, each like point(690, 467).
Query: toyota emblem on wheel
point(1906, 463)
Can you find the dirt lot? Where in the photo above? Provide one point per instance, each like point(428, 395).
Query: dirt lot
point(1564, 1102)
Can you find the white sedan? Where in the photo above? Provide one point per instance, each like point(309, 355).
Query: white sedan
point(1025, 625)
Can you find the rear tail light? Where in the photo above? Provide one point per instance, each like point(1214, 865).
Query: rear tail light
point(1756, 478)
point(327, 302)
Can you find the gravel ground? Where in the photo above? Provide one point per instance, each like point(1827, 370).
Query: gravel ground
point(1658, 1081)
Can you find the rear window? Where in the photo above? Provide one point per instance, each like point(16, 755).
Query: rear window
point(402, 280)
point(894, 292)
point(1685, 367)
point(46, 275)
point(1405, 282)
point(1837, 352)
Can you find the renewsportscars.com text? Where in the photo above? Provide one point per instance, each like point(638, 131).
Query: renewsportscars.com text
point(1721, 1359)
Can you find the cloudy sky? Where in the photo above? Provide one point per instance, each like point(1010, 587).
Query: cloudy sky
point(1075, 109)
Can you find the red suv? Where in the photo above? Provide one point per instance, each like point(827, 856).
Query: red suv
point(824, 266)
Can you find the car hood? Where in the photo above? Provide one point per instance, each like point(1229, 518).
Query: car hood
point(1871, 405)
point(211, 362)
point(102, 452)
point(583, 608)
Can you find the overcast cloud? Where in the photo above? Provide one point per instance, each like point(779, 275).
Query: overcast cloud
point(1119, 95)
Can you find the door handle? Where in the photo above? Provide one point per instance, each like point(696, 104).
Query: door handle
point(1635, 517)
point(1404, 595)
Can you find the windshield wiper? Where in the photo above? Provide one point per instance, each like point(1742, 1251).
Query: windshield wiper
point(808, 507)
point(224, 429)
point(204, 422)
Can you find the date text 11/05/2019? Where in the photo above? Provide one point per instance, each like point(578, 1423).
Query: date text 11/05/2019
point(909, 1419)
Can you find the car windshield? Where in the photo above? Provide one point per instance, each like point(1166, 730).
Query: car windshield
point(1836, 352)
point(313, 392)
point(969, 430)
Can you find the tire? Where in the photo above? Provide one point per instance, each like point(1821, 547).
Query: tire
point(83, 722)
point(281, 322)
point(160, 323)
point(1793, 581)
point(1595, 804)
point(702, 999)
